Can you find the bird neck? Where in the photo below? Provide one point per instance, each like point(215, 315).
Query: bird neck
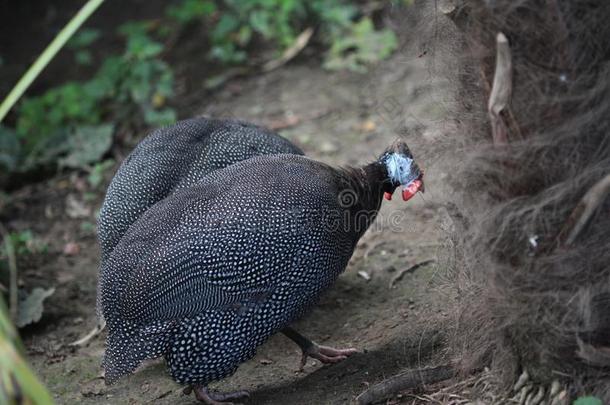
point(366, 185)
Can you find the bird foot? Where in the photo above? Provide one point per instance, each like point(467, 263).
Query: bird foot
point(325, 354)
point(216, 398)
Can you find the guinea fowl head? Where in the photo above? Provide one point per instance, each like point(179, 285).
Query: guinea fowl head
point(402, 171)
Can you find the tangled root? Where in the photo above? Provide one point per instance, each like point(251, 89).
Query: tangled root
point(533, 267)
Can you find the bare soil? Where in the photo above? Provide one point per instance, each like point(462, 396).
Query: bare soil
point(340, 118)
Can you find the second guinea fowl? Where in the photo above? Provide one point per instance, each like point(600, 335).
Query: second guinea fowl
point(207, 275)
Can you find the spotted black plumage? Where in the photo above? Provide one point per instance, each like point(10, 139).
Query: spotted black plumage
point(208, 274)
point(176, 157)
point(173, 158)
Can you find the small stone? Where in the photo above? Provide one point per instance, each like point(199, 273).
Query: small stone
point(367, 126)
point(328, 147)
point(71, 249)
point(76, 208)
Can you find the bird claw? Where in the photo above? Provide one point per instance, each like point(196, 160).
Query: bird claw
point(216, 398)
point(325, 354)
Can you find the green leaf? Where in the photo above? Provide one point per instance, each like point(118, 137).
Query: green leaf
point(360, 47)
point(96, 175)
point(83, 38)
point(10, 149)
point(24, 243)
point(83, 57)
point(142, 47)
point(47, 150)
point(259, 20)
point(227, 24)
point(30, 308)
point(134, 28)
point(88, 227)
point(87, 145)
point(227, 53)
point(189, 10)
point(244, 35)
point(154, 117)
point(587, 401)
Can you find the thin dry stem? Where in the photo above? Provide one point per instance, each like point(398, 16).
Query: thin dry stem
point(500, 91)
point(585, 209)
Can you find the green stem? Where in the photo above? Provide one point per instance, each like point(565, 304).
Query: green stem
point(9, 248)
point(45, 57)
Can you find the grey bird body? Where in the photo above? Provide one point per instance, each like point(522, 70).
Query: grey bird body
point(173, 158)
point(208, 274)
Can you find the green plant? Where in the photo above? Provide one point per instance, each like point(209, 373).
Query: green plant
point(23, 243)
point(189, 10)
point(10, 149)
point(96, 174)
point(587, 401)
point(235, 24)
point(18, 383)
point(360, 47)
point(79, 43)
point(14, 372)
point(69, 124)
point(47, 55)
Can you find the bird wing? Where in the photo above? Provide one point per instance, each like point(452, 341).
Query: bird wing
point(206, 259)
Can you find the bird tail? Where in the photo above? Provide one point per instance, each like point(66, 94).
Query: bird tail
point(128, 346)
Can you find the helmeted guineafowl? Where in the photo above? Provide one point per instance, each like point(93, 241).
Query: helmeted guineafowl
point(170, 159)
point(208, 274)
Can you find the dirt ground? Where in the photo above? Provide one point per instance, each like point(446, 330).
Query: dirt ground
point(340, 118)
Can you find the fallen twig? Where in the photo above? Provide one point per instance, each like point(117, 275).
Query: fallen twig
point(93, 333)
point(409, 269)
point(584, 211)
point(300, 43)
point(404, 381)
point(500, 91)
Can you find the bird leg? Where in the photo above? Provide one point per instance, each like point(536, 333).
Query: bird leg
point(325, 354)
point(215, 398)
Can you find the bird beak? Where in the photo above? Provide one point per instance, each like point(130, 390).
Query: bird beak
point(412, 189)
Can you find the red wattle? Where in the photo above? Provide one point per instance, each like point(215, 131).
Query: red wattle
point(387, 196)
point(411, 190)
